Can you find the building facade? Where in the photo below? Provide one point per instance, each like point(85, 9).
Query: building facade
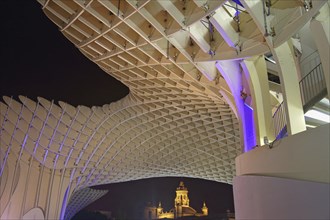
point(181, 207)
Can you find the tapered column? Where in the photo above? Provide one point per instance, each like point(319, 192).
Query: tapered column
point(288, 73)
point(232, 73)
point(255, 72)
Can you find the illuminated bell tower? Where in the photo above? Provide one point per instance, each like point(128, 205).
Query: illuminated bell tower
point(159, 209)
point(181, 195)
point(181, 199)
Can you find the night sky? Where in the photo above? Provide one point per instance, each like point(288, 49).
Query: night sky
point(37, 60)
point(130, 198)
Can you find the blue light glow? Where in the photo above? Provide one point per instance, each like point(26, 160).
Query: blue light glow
point(249, 133)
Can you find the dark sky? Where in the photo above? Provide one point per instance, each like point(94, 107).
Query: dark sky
point(130, 198)
point(37, 60)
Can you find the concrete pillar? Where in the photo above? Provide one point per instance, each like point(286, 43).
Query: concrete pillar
point(231, 71)
point(255, 72)
point(320, 31)
point(288, 73)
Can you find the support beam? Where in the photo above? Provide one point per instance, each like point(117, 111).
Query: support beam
point(255, 72)
point(231, 72)
point(288, 73)
point(222, 22)
point(208, 69)
point(291, 28)
point(200, 33)
point(320, 31)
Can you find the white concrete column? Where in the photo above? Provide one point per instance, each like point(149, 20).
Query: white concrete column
point(288, 73)
point(255, 72)
point(320, 29)
point(231, 71)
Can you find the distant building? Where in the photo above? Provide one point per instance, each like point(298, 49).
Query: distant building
point(181, 207)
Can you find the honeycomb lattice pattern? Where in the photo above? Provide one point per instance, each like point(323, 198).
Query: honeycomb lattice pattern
point(174, 122)
point(187, 135)
point(81, 199)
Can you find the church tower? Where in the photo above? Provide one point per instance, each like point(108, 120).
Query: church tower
point(205, 210)
point(159, 209)
point(181, 199)
point(181, 195)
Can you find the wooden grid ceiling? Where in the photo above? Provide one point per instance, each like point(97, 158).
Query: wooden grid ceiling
point(174, 122)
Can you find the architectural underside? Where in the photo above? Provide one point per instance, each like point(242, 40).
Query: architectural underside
point(199, 96)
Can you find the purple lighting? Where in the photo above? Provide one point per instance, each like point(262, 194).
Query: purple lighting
point(65, 201)
point(249, 135)
point(238, 2)
point(231, 72)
